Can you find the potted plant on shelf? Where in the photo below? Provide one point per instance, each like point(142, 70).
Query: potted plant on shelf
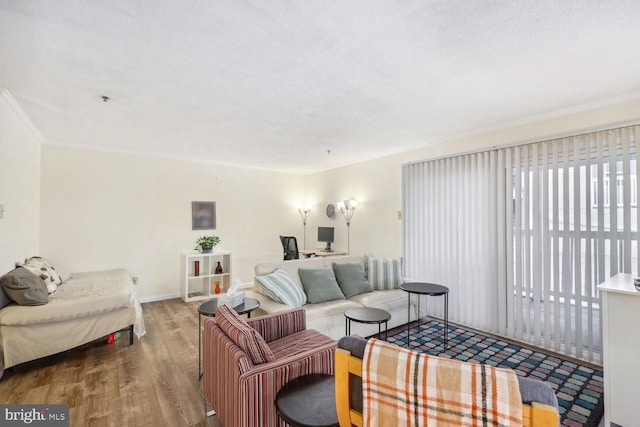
point(205, 244)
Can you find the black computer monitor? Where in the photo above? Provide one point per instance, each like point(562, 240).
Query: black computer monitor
point(325, 234)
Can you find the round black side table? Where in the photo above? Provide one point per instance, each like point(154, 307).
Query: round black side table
point(430, 289)
point(209, 309)
point(308, 401)
point(367, 315)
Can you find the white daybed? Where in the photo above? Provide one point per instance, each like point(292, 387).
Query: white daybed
point(84, 308)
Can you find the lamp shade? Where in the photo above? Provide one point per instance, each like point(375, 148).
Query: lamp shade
point(304, 212)
point(347, 207)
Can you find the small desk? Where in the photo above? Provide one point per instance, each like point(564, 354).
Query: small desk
point(209, 309)
point(368, 315)
point(308, 254)
point(308, 401)
point(430, 289)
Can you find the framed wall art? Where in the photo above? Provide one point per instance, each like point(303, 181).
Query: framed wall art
point(203, 215)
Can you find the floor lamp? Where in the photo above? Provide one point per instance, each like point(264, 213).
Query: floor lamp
point(348, 207)
point(304, 214)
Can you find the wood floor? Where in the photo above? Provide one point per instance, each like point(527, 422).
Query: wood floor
point(154, 382)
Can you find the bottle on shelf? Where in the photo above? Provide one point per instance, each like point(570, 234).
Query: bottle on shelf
point(217, 290)
point(219, 268)
point(196, 268)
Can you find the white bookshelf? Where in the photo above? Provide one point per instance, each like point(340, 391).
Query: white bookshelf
point(198, 283)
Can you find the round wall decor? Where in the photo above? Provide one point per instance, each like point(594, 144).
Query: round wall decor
point(331, 211)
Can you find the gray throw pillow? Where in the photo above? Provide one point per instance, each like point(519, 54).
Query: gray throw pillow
point(4, 299)
point(24, 287)
point(351, 279)
point(320, 284)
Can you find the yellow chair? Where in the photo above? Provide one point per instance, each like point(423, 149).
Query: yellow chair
point(348, 373)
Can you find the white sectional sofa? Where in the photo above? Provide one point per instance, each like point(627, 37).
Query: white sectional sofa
point(328, 317)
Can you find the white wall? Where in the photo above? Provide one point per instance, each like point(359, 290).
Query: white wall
point(19, 184)
point(376, 184)
point(375, 227)
point(105, 210)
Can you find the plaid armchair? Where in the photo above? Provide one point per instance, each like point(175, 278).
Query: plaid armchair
point(242, 375)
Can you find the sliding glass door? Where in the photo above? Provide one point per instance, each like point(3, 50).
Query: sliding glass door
point(546, 221)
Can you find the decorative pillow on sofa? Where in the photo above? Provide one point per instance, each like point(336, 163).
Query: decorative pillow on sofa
point(351, 279)
point(24, 287)
point(279, 286)
point(43, 268)
point(385, 273)
point(245, 337)
point(320, 284)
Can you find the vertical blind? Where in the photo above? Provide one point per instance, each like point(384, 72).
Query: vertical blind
point(523, 235)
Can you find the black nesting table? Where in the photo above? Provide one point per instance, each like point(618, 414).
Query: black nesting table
point(308, 401)
point(209, 309)
point(367, 315)
point(430, 289)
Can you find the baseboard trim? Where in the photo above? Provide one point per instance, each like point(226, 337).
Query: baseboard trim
point(159, 297)
point(153, 298)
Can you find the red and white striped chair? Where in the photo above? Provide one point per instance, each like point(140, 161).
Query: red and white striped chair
point(246, 362)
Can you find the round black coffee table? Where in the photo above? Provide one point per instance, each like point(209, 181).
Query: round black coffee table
point(367, 315)
point(308, 401)
point(209, 309)
point(430, 289)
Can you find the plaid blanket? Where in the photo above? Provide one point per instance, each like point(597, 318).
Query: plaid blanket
point(405, 388)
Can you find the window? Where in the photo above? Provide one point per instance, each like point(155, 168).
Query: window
point(633, 183)
point(523, 235)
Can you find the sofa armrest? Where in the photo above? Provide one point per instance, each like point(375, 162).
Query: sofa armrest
point(222, 363)
point(275, 326)
point(215, 342)
point(534, 390)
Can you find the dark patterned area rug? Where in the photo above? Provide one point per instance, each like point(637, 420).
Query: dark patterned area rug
point(579, 388)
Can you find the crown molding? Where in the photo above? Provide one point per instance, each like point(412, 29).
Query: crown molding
point(11, 101)
point(556, 114)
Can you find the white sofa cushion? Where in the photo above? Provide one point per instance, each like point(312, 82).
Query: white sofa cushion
point(389, 300)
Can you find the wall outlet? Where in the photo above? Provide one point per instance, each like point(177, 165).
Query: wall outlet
point(1, 211)
point(135, 279)
point(399, 214)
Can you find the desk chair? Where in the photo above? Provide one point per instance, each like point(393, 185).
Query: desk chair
point(290, 247)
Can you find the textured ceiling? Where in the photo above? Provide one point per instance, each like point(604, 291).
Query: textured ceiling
point(275, 84)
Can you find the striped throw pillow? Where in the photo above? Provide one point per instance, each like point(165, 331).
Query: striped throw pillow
point(384, 273)
point(280, 287)
point(245, 337)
